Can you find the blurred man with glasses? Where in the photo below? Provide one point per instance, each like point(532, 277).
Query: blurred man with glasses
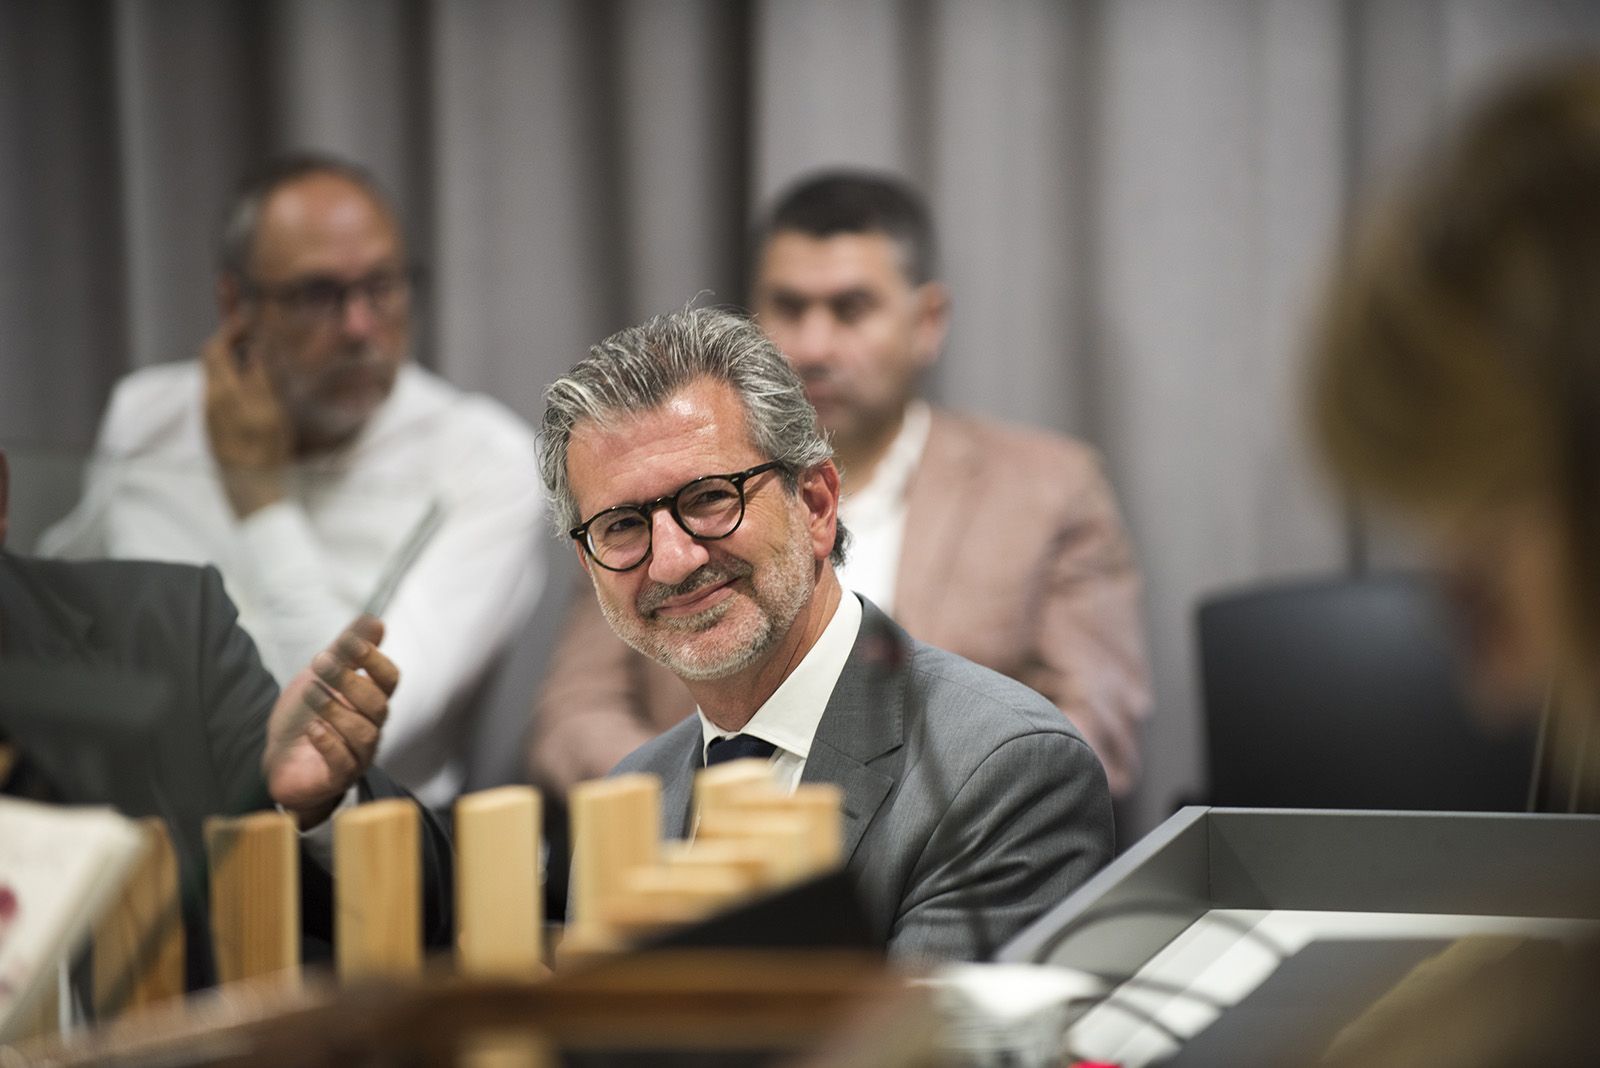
point(320, 470)
point(687, 466)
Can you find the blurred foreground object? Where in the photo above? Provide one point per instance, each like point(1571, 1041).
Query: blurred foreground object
point(750, 839)
point(1270, 937)
point(1457, 380)
point(60, 869)
point(814, 1007)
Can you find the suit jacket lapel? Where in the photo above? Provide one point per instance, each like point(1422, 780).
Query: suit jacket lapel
point(934, 530)
point(677, 788)
point(864, 720)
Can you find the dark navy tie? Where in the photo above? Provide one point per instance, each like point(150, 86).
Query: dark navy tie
point(738, 747)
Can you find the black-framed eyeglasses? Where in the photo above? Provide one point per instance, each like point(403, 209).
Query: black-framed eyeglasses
point(320, 299)
point(708, 508)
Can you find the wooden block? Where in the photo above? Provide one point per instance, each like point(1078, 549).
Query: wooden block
point(138, 945)
point(499, 895)
point(616, 826)
point(583, 945)
point(377, 881)
point(632, 920)
point(821, 805)
point(661, 896)
point(729, 784)
point(691, 884)
point(758, 861)
point(508, 1049)
point(787, 836)
point(255, 896)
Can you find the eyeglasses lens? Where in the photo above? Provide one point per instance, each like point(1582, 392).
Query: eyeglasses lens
point(706, 508)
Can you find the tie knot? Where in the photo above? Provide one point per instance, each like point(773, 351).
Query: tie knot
point(738, 747)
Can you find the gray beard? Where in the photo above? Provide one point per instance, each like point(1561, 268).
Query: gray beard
point(787, 588)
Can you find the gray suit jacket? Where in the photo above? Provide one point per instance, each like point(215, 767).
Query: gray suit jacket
point(971, 805)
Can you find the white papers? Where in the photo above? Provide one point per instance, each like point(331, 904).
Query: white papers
point(60, 868)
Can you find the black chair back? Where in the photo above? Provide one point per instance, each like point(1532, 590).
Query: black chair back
point(1348, 693)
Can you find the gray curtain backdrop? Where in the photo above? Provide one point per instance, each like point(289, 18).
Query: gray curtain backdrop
point(1137, 199)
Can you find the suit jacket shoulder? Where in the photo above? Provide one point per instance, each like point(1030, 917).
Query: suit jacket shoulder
point(998, 808)
point(970, 804)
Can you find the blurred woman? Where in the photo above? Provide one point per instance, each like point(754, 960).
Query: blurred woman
point(1457, 380)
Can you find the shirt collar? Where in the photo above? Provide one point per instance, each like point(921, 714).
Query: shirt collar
point(788, 719)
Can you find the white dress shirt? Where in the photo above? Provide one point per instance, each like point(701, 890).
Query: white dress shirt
point(788, 719)
point(876, 513)
point(301, 569)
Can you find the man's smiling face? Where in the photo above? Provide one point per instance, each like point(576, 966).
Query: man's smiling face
point(706, 609)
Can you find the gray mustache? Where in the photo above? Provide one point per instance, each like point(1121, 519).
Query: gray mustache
point(710, 575)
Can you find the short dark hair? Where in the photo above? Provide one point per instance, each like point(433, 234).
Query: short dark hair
point(237, 241)
point(859, 202)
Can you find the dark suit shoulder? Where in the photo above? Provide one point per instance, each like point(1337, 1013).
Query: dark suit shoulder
point(129, 608)
point(665, 753)
point(112, 581)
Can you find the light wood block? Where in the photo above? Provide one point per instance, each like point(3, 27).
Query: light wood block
point(138, 945)
point(758, 861)
point(786, 837)
point(821, 806)
point(499, 895)
point(729, 785)
point(616, 827)
point(693, 884)
point(660, 896)
point(508, 1049)
point(377, 880)
point(255, 896)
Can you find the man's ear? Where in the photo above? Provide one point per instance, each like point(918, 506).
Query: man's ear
point(583, 557)
point(819, 492)
point(932, 321)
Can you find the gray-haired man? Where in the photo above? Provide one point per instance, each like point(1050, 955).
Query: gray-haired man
point(686, 463)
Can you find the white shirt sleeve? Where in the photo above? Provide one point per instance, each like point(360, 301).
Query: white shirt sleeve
point(301, 569)
point(473, 584)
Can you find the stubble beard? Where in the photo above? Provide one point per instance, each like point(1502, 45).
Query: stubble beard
point(325, 419)
point(770, 599)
